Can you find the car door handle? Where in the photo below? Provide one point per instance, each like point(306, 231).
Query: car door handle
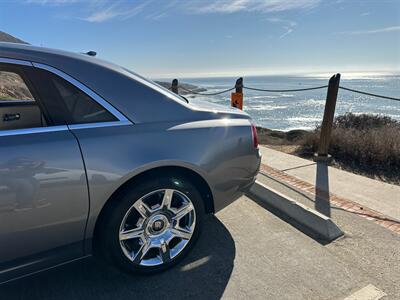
point(11, 117)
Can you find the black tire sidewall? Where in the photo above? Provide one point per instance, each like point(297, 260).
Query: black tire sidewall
point(110, 243)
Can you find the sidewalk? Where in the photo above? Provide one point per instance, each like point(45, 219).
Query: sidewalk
point(376, 195)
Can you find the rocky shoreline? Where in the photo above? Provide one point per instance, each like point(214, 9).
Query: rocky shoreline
point(182, 87)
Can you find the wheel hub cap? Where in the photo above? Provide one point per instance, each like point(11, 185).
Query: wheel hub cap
point(157, 224)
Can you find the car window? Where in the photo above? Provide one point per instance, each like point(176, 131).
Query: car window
point(18, 108)
point(81, 108)
point(157, 86)
point(13, 88)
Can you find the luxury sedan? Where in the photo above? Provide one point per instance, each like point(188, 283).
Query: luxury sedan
point(95, 159)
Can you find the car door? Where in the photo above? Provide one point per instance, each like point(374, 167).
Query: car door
point(44, 200)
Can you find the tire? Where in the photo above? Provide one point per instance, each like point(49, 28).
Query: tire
point(152, 225)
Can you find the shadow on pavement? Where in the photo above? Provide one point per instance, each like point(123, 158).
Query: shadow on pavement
point(322, 201)
point(203, 274)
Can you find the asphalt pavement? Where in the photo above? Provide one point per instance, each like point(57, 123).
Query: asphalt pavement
point(245, 252)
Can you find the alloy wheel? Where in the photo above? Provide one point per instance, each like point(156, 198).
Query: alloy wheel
point(157, 227)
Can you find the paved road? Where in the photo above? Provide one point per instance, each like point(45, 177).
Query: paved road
point(246, 252)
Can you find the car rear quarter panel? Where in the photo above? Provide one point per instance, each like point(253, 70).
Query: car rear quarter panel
point(220, 150)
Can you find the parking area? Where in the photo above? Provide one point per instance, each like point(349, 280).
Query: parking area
point(245, 252)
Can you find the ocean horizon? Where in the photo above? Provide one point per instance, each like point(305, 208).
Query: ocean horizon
point(303, 110)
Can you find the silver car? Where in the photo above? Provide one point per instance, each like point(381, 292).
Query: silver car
point(95, 159)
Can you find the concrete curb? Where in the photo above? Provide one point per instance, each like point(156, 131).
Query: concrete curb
point(318, 223)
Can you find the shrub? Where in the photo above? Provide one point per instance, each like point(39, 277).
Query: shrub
point(366, 143)
point(363, 121)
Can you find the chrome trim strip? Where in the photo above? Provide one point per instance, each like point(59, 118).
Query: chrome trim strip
point(98, 125)
point(17, 102)
point(33, 130)
point(15, 61)
point(84, 89)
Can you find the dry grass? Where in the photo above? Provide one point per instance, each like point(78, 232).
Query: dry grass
point(278, 138)
point(366, 144)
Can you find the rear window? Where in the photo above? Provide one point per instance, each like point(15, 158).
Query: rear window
point(81, 108)
point(13, 88)
point(157, 87)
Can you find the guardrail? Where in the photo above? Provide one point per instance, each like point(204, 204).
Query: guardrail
point(333, 87)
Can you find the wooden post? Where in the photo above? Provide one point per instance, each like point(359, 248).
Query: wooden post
point(327, 122)
point(174, 86)
point(237, 97)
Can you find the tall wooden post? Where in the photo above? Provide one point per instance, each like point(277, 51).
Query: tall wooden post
point(237, 97)
point(174, 86)
point(327, 122)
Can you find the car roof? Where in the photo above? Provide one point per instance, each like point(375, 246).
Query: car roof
point(28, 49)
point(140, 99)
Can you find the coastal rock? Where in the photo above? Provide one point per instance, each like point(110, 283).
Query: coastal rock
point(183, 87)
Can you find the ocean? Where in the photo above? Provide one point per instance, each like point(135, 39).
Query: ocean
point(303, 110)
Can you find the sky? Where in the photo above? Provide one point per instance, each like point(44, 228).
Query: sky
point(201, 38)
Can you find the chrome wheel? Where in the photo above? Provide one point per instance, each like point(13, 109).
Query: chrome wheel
point(157, 227)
